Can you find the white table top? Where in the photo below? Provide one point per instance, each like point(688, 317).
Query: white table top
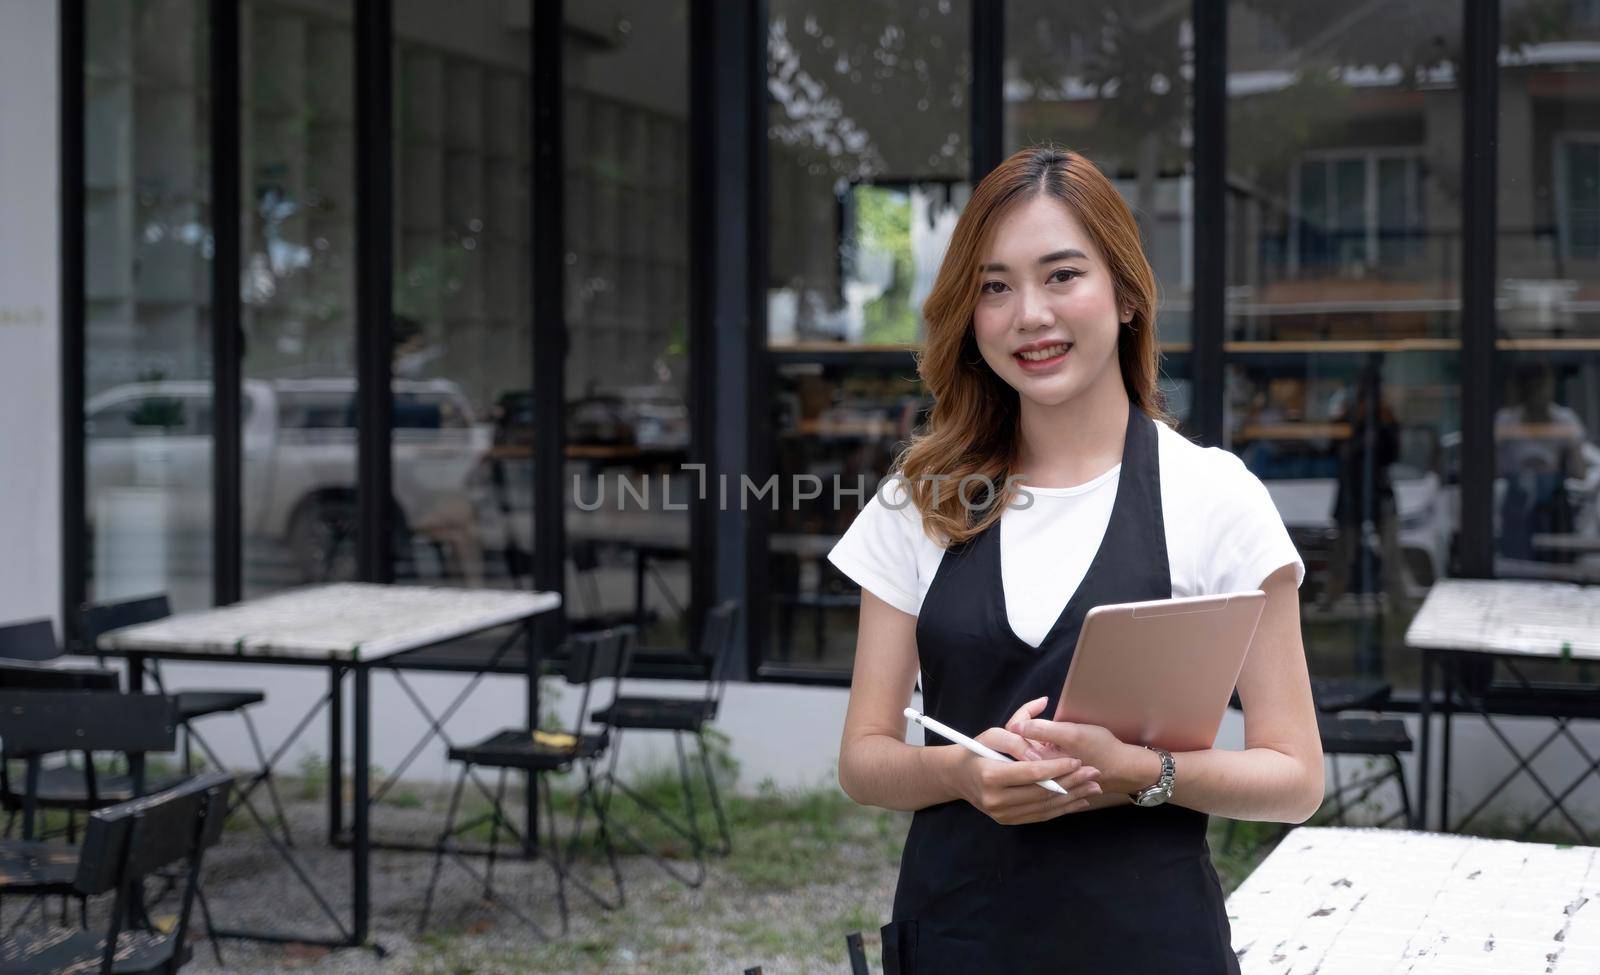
point(353, 621)
point(1539, 619)
point(1367, 901)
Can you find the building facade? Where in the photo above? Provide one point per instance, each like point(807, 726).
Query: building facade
point(515, 293)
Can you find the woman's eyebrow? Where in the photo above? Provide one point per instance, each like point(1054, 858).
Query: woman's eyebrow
point(1066, 254)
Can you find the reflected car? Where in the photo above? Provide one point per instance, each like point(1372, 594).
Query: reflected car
point(298, 445)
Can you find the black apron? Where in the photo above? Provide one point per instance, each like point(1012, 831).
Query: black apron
point(1122, 889)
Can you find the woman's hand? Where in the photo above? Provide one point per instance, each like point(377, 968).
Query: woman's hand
point(1007, 792)
point(1123, 766)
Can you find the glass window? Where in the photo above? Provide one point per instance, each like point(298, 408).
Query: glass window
point(297, 290)
point(147, 349)
point(1547, 468)
point(1343, 310)
point(1113, 82)
point(626, 190)
point(463, 322)
point(868, 114)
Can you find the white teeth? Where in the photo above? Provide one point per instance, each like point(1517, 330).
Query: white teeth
point(1049, 352)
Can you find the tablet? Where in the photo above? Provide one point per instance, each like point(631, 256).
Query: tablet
point(1161, 672)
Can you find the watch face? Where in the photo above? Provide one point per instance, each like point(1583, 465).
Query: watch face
point(1151, 797)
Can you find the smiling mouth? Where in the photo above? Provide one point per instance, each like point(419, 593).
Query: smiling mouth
point(1045, 354)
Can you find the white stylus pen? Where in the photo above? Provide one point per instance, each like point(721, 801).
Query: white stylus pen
point(974, 747)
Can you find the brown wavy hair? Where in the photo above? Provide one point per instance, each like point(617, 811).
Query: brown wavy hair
point(972, 430)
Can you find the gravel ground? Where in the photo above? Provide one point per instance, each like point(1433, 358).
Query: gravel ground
point(807, 869)
point(782, 900)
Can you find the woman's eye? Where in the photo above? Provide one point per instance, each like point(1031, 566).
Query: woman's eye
point(993, 287)
point(1063, 275)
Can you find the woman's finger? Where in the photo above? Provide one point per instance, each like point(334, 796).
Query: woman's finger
point(1008, 743)
point(1023, 773)
point(1077, 782)
point(1030, 710)
point(1051, 808)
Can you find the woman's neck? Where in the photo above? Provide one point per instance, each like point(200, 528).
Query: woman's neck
point(1073, 442)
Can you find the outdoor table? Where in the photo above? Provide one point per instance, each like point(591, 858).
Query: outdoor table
point(345, 627)
point(1506, 621)
point(1348, 901)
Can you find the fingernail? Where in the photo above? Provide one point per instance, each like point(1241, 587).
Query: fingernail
point(1033, 756)
point(1094, 788)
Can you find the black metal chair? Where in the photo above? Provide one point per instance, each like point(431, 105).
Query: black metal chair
point(855, 950)
point(193, 705)
point(682, 717)
point(63, 785)
point(35, 724)
point(122, 844)
point(590, 657)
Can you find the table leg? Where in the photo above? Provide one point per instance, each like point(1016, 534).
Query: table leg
point(530, 833)
point(335, 753)
point(361, 813)
point(1425, 716)
point(1448, 732)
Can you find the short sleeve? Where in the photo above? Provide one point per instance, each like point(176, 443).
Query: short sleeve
point(1248, 540)
point(879, 549)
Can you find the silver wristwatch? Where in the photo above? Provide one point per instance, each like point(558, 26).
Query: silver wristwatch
point(1162, 790)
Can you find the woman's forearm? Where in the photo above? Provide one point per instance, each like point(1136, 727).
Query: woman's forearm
point(1260, 784)
point(878, 770)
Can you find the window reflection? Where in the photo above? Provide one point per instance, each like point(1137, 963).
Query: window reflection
point(867, 151)
point(297, 292)
point(1547, 463)
point(1113, 81)
point(1343, 319)
point(627, 369)
point(148, 438)
point(463, 346)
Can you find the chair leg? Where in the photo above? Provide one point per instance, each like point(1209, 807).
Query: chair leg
point(716, 800)
point(1405, 795)
point(494, 835)
point(542, 785)
point(589, 797)
point(211, 927)
point(439, 850)
point(696, 842)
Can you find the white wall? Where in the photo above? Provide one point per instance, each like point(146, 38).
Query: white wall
point(30, 434)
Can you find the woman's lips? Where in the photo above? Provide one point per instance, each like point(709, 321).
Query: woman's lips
point(1042, 365)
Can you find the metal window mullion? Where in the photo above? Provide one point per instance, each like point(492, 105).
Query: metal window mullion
point(1210, 217)
point(549, 326)
point(226, 312)
point(988, 87)
point(70, 142)
point(1480, 98)
point(374, 281)
point(702, 337)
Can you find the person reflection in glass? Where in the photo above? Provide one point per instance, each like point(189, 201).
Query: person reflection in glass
point(1363, 478)
point(1539, 445)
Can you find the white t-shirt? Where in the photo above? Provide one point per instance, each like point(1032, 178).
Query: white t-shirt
point(1223, 535)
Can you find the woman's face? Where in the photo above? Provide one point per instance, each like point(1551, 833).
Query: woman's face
point(1047, 317)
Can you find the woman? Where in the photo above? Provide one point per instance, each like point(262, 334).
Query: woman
point(1041, 356)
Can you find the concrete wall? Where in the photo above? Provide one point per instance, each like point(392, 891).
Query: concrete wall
point(30, 316)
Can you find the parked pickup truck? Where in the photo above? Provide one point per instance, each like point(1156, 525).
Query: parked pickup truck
point(298, 440)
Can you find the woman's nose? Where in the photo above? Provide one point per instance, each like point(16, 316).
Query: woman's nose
point(1032, 309)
